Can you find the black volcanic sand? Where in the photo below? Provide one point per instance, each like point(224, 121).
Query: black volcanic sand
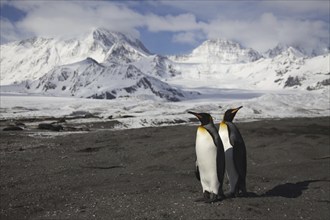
point(148, 173)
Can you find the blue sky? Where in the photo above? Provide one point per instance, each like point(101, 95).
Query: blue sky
point(174, 27)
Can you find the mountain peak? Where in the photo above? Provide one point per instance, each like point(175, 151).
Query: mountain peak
point(284, 49)
point(107, 39)
point(112, 36)
point(221, 42)
point(223, 51)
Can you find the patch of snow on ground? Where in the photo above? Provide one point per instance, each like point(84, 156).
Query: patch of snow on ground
point(137, 112)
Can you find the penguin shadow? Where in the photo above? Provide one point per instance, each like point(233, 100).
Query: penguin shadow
point(286, 190)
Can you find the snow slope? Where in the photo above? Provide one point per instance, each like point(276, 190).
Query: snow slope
point(32, 58)
point(219, 51)
point(288, 70)
point(117, 66)
point(89, 79)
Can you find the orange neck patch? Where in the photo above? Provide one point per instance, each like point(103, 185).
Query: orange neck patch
point(223, 124)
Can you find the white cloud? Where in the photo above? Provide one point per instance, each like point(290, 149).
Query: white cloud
point(262, 24)
point(257, 24)
point(8, 31)
point(192, 38)
point(268, 30)
point(73, 18)
point(182, 22)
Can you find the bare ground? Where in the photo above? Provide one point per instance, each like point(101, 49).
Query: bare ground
point(148, 173)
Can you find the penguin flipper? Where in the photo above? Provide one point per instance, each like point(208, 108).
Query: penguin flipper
point(220, 169)
point(239, 152)
point(197, 172)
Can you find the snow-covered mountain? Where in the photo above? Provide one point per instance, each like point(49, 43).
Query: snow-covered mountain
point(284, 68)
point(285, 49)
point(102, 64)
point(90, 79)
point(32, 58)
point(105, 64)
point(220, 51)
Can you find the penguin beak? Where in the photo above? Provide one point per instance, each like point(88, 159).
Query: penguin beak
point(236, 109)
point(194, 113)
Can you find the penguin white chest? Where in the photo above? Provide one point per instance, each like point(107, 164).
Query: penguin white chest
point(224, 135)
point(206, 153)
point(229, 155)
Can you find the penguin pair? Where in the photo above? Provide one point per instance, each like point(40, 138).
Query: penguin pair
point(218, 151)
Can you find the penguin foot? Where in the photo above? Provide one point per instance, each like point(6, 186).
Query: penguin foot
point(221, 197)
point(210, 197)
point(230, 195)
point(211, 200)
point(241, 194)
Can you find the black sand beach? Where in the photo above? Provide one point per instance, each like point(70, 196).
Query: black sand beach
point(148, 173)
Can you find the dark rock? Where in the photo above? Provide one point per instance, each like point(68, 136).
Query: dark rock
point(292, 81)
point(21, 124)
point(106, 95)
point(255, 111)
point(13, 128)
point(61, 120)
point(51, 127)
point(319, 85)
point(127, 116)
point(325, 82)
point(70, 128)
point(130, 89)
point(278, 80)
point(179, 121)
point(82, 114)
point(49, 85)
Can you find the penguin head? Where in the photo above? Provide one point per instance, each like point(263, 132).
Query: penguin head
point(230, 114)
point(204, 118)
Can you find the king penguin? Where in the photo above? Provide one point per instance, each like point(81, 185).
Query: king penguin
point(210, 163)
point(235, 153)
